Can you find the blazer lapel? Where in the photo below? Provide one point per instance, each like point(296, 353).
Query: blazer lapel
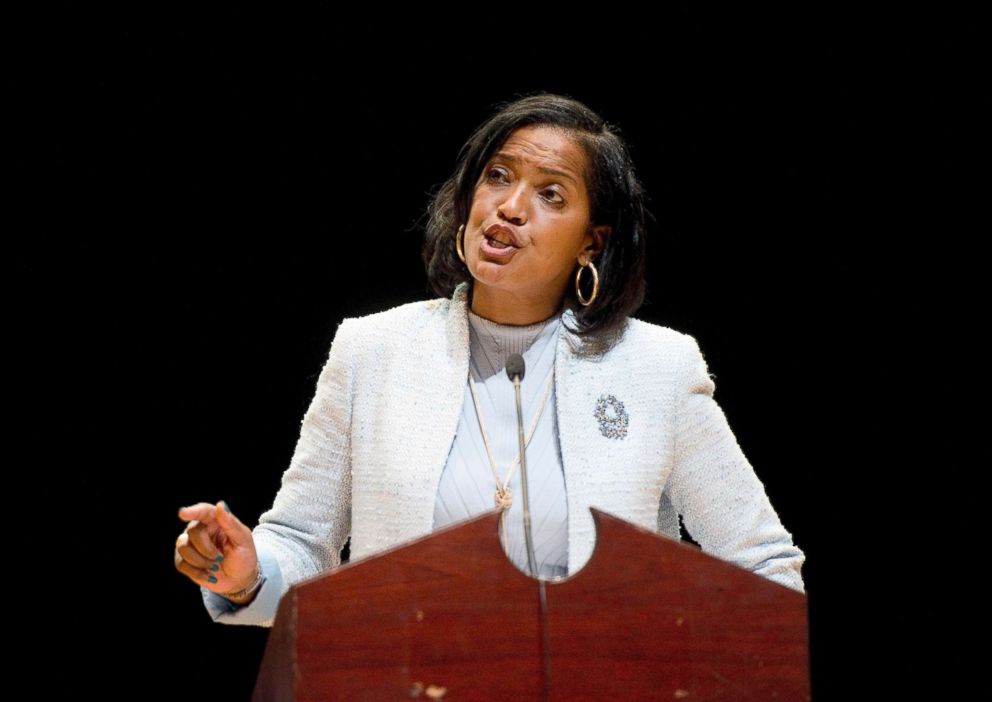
point(449, 375)
point(571, 385)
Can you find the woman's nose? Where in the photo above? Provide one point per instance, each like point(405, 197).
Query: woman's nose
point(513, 208)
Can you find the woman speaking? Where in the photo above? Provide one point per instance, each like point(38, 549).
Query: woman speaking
point(535, 246)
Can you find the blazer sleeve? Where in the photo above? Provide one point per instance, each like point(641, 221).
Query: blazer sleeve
point(723, 503)
point(302, 534)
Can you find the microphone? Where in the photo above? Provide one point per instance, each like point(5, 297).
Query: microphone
point(515, 371)
point(515, 367)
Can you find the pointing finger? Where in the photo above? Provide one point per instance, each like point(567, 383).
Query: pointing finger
point(202, 511)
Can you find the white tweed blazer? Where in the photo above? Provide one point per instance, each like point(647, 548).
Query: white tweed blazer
point(377, 434)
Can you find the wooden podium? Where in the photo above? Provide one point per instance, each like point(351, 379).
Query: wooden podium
point(449, 617)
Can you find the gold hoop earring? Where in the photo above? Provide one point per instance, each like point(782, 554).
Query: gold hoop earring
point(595, 283)
point(458, 243)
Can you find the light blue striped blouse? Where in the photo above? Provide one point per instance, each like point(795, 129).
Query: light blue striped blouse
point(468, 485)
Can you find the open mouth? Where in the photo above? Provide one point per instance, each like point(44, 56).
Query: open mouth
point(496, 249)
point(497, 244)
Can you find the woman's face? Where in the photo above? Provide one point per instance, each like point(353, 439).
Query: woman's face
point(528, 225)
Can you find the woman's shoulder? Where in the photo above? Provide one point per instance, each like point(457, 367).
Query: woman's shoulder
point(408, 312)
point(661, 345)
point(647, 358)
point(643, 337)
point(398, 320)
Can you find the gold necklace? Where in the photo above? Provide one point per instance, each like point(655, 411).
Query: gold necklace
point(504, 497)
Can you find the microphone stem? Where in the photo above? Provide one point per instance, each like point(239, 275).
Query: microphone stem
point(531, 560)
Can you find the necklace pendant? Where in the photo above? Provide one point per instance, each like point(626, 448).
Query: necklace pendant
point(504, 498)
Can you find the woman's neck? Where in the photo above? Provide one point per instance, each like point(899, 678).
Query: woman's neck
point(513, 310)
point(492, 344)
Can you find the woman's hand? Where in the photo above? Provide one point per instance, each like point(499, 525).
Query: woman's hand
point(216, 550)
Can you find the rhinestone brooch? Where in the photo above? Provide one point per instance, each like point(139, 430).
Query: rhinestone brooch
point(612, 417)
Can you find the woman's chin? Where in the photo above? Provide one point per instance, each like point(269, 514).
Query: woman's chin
point(488, 271)
point(490, 275)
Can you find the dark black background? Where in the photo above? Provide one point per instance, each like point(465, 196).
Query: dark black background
point(199, 203)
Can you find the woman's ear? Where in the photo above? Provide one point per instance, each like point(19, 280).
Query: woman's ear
point(598, 235)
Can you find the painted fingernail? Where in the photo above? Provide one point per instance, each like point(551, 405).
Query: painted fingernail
point(211, 579)
point(215, 567)
point(224, 502)
point(219, 559)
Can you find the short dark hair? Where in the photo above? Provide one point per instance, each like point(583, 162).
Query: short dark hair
point(616, 198)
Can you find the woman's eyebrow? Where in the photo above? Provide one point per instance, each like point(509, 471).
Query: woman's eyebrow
point(502, 155)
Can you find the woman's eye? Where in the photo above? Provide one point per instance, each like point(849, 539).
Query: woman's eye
point(497, 175)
